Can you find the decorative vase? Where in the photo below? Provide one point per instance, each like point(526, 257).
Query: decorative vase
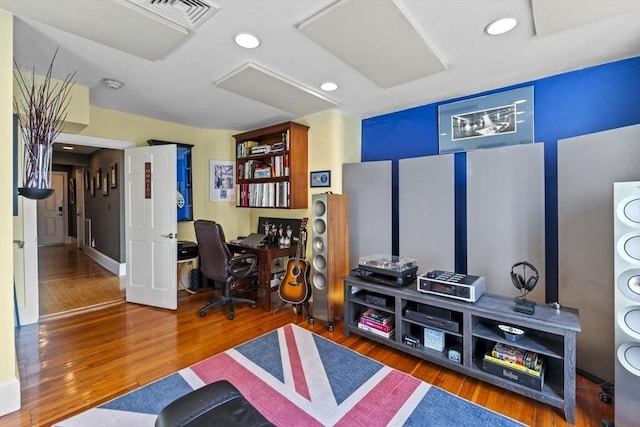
point(37, 169)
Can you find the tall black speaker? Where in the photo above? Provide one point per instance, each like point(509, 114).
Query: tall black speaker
point(627, 301)
point(329, 255)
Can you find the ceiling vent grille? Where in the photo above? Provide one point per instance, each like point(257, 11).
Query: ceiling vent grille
point(186, 13)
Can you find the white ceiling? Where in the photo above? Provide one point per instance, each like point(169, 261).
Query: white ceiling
point(185, 74)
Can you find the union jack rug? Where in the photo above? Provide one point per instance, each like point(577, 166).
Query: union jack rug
point(297, 378)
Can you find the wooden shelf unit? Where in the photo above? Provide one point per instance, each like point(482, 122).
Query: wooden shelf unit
point(286, 186)
point(549, 332)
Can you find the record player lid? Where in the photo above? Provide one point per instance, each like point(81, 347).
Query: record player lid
point(388, 262)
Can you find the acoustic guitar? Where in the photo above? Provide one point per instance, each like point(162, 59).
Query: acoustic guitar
point(294, 288)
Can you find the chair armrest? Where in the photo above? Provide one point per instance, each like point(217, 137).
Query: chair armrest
point(242, 266)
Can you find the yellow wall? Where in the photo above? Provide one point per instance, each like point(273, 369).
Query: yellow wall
point(78, 109)
point(334, 139)
point(8, 365)
point(209, 144)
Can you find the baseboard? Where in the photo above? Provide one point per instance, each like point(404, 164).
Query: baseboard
point(9, 396)
point(110, 264)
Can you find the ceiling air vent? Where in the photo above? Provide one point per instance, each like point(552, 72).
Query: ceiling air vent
point(186, 13)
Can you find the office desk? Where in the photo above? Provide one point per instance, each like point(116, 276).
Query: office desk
point(265, 255)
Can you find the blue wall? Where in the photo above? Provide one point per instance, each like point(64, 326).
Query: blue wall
point(567, 105)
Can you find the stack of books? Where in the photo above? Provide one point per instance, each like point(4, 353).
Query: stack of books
point(377, 322)
point(260, 149)
point(516, 365)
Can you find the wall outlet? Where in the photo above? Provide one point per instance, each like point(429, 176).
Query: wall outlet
point(93, 243)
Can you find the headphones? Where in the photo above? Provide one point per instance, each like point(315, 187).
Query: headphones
point(519, 281)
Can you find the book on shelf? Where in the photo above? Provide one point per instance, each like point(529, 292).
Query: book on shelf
point(537, 371)
point(260, 149)
point(376, 331)
point(384, 328)
point(377, 316)
point(243, 149)
point(514, 354)
point(263, 172)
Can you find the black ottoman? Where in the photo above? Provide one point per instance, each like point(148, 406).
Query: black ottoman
point(216, 404)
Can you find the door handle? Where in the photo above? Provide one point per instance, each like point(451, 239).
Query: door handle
point(170, 235)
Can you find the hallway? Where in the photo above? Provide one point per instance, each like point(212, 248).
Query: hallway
point(71, 282)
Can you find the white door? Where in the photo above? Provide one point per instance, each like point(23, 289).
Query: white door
point(52, 212)
point(79, 196)
point(151, 225)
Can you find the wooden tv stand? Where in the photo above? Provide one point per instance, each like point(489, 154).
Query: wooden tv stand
point(550, 332)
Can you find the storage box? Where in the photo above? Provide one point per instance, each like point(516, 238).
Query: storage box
point(433, 339)
point(514, 375)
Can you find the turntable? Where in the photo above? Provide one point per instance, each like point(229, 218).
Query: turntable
point(387, 269)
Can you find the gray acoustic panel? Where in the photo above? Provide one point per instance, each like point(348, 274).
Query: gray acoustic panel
point(427, 211)
point(368, 186)
point(505, 215)
point(588, 166)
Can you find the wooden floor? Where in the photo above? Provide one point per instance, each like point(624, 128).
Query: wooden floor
point(71, 364)
point(69, 281)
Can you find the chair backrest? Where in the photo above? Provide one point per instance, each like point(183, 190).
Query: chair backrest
point(214, 253)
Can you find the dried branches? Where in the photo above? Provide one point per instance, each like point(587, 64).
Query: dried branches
point(42, 110)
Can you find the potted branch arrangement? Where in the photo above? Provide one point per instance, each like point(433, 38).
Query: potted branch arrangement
point(41, 110)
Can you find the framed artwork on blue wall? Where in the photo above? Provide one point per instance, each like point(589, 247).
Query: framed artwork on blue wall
point(495, 120)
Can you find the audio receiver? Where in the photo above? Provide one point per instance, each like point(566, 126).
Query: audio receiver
point(452, 285)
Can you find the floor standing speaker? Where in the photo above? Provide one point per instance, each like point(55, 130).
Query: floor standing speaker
point(627, 301)
point(330, 255)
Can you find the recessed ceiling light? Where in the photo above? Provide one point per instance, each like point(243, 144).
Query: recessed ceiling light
point(248, 41)
point(501, 26)
point(328, 86)
point(67, 147)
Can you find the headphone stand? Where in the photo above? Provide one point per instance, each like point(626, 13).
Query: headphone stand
point(524, 306)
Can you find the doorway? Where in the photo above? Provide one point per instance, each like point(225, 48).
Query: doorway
point(30, 311)
point(52, 212)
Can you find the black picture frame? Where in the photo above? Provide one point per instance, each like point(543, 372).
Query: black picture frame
point(320, 179)
point(87, 179)
point(105, 184)
point(98, 178)
point(114, 175)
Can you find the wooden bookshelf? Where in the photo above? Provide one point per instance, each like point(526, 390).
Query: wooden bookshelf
point(271, 167)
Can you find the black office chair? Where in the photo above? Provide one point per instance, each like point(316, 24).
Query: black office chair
point(218, 264)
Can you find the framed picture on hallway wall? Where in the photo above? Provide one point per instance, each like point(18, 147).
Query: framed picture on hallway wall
point(105, 184)
point(114, 175)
